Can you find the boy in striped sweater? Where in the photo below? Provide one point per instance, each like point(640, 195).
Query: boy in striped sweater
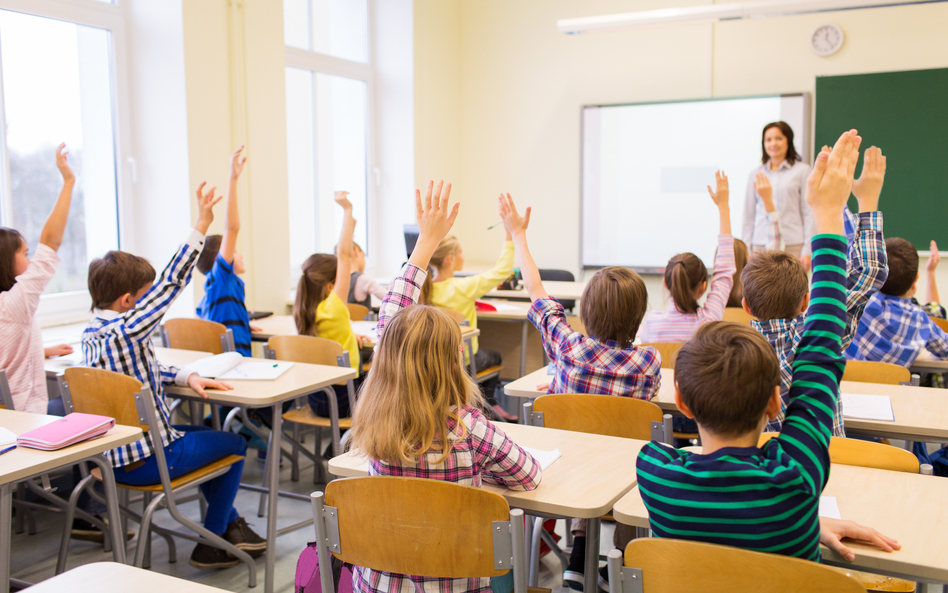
point(728, 379)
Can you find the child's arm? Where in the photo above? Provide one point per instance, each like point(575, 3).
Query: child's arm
point(344, 250)
point(504, 461)
point(52, 234)
point(868, 264)
point(366, 286)
point(435, 219)
point(474, 287)
point(724, 266)
point(516, 226)
point(141, 321)
point(818, 362)
point(932, 291)
point(774, 228)
point(833, 531)
point(232, 216)
point(750, 212)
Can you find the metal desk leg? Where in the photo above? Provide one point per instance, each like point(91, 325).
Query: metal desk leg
point(276, 436)
point(591, 578)
point(523, 351)
point(111, 502)
point(6, 525)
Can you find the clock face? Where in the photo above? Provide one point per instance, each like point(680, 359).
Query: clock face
point(826, 39)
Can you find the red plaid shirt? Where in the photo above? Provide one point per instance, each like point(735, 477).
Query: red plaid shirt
point(479, 452)
point(584, 365)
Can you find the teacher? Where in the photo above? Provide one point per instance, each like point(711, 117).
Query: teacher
point(781, 179)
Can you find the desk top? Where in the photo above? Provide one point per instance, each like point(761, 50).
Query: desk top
point(23, 462)
point(112, 576)
point(593, 473)
point(570, 291)
point(283, 325)
point(930, 366)
point(167, 356)
point(920, 412)
point(908, 507)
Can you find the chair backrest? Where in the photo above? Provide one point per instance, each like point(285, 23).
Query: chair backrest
point(357, 312)
point(672, 565)
point(607, 415)
point(6, 394)
point(194, 334)
point(865, 454)
point(554, 275)
point(455, 315)
point(865, 371)
point(106, 393)
point(382, 526)
point(668, 350)
point(306, 349)
point(737, 315)
point(942, 323)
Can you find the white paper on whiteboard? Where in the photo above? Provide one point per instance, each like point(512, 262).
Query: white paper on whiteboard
point(868, 407)
point(829, 508)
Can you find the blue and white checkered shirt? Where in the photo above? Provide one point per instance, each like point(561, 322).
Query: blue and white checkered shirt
point(896, 330)
point(868, 269)
point(121, 342)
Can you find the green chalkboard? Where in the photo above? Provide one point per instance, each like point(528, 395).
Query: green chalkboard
point(906, 115)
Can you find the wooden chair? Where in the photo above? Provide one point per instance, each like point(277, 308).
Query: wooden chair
point(479, 375)
point(357, 312)
point(865, 371)
point(659, 565)
point(197, 334)
point(942, 323)
point(354, 520)
point(97, 391)
point(737, 315)
point(598, 414)
point(668, 351)
point(310, 350)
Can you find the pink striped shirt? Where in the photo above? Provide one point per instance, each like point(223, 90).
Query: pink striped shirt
point(21, 343)
point(673, 325)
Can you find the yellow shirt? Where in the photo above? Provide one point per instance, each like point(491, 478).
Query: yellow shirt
point(332, 323)
point(460, 293)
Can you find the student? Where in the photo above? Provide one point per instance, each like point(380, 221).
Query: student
point(22, 281)
point(362, 287)
point(686, 279)
point(320, 308)
point(447, 290)
point(128, 306)
point(606, 362)
point(728, 379)
point(776, 283)
point(419, 391)
point(223, 300)
point(740, 260)
point(895, 328)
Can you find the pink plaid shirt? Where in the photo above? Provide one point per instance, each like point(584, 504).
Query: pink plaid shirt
point(480, 452)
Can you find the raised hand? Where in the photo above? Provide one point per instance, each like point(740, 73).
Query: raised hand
point(514, 223)
point(199, 384)
point(206, 202)
point(869, 185)
point(342, 198)
point(62, 163)
point(765, 191)
point(933, 259)
point(720, 196)
point(237, 163)
point(829, 184)
point(435, 219)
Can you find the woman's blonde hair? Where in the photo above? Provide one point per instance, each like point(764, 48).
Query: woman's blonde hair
point(418, 383)
point(447, 247)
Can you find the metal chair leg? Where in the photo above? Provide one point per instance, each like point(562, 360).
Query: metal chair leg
point(533, 578)
point(295, 457)
point(20, 495)
point(67, 523)
point(142, 549)
point(202, 504)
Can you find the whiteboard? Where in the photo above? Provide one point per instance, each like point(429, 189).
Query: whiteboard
point(646, 168)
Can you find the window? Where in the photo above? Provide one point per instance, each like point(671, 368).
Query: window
point(328, 96)
point(57, 84)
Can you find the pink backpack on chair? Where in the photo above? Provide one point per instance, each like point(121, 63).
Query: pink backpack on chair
point(307, 573)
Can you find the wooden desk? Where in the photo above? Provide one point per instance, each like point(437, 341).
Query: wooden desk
point(63, 334)
point(593, 473)
point(561, 291)
point(930, 366)
point(111, 576)
point(23, 463)
point(909, 507)
point(283, 325)
point(921, 413)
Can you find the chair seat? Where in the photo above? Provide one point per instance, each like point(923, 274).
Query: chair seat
point(686, 435)
point(538, 590)
point(306, 416)
point(489, 372)
point(183, 480)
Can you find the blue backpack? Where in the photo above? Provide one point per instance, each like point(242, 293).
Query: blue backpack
point(938, 460)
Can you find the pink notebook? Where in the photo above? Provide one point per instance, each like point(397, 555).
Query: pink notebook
point(69, 430)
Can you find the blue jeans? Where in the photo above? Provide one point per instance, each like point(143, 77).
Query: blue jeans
point(198, 447)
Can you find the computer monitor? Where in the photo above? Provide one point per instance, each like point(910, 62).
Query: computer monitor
point(411, 237)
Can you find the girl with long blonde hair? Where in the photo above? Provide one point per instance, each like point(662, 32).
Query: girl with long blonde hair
point(419, 412)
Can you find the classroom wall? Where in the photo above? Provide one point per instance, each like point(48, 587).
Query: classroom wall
point(503, 89)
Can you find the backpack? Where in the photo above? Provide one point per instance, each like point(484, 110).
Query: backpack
point(938, 460)
point(307, 573)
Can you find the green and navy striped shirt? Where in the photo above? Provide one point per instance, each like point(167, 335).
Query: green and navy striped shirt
point(765, 499)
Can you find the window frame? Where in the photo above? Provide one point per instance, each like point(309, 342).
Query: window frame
point(70, 307)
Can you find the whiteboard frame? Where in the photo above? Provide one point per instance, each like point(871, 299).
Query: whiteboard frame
point(806, 140)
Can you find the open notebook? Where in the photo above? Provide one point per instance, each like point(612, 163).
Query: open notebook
point(233, 366)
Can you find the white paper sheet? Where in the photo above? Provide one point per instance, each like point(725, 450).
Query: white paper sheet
point(868, 407)
point(505, 308)
point(257, 371)
point(365, 328)
point(829, 508)
point(544, 458)
point(7, 438)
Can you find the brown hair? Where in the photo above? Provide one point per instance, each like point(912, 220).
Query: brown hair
point(726, 374)
point(613, 305)
point(10, 242)
point(787, 131)
point(116, 274)
point(903, 266)
point(683, 276)
point(740, 260)
point(775, 284)
point(319, 271)
point(417, 385)
point(212, 246)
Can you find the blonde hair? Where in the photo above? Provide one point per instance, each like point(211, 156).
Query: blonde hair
point(447, 247)
point(418, 383)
